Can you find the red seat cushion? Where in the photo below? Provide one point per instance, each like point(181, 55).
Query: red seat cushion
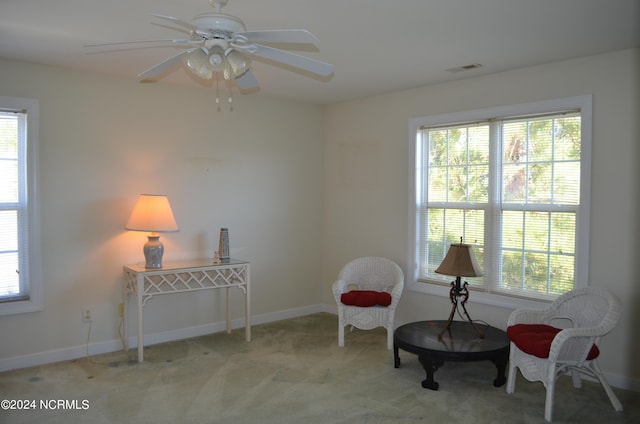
point(535, 339)
point(365, 298)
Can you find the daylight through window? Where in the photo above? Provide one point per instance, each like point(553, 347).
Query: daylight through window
point(20, 286)
point(511, 187)
point(12, 135)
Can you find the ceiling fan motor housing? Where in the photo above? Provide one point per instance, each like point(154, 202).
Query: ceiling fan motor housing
point(218, 21)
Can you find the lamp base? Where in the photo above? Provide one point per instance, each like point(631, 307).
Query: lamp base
point(153, 251)
point(455, 294)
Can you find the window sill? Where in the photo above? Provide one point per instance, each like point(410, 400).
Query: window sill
point(493, 299)
point(19, 307)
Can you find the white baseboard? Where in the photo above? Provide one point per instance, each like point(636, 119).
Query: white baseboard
point(97, 348)
point(622, 382)
point(58, 355)
point(201, 330)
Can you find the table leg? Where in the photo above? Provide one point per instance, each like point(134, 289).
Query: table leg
point(228, 314)
point(500, 361)
point(247, 305)
point(430, 366)
point(139, 293)
point(125, 316)
point(396, 356)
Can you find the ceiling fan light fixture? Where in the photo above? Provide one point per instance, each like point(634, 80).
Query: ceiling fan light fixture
point(217, 61)
point(238, 63)
point(197, 62)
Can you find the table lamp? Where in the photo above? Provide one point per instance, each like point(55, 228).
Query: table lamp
point(152, 213)
point(459, 262)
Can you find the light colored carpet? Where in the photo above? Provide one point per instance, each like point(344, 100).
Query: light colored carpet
point(292, 372)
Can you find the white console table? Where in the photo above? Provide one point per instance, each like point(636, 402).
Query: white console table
point(180, 277)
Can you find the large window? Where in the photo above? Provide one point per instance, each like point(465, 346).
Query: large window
point(20, 286)
point(513, 182)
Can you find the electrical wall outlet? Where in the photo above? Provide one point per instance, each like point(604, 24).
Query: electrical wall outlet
point(86, 315)
point(121, 310)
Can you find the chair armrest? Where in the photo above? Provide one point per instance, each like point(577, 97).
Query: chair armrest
point(590, 334)
point(527, 316)
point(396, 292)
point(339, 287)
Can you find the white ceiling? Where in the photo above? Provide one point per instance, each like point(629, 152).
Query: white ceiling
point(376, 46)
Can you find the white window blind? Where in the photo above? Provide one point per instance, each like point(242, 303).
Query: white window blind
point(12, 196)
point(20, 284)
point(511, 187)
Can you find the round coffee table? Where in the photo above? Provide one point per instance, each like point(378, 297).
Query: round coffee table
point(461, 342)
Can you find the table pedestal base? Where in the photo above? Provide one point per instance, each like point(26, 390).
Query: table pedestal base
point(501, 365)
point(430, 366)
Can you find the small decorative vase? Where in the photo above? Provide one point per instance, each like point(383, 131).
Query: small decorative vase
point(223, 245)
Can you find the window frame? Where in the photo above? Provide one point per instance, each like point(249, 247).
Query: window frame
point(33, 278)
point(584, 104)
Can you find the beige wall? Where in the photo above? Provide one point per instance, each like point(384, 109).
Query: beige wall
point(105, 140)
point(366, 181)
point(303, 189)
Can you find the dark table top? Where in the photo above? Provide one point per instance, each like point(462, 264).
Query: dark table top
point(460, 338)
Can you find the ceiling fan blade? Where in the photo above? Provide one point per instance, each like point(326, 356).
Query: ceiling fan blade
point(291, 59)
point(168, 40)
point(289, 36)
point(163, 66)
point(247, 81)
point(176, 21)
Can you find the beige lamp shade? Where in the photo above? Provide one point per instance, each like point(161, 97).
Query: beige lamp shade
point(152, 213)
point(460, 262)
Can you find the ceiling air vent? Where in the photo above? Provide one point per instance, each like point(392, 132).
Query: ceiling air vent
point(465, 68)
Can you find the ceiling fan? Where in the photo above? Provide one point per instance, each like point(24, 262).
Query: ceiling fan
point(219, 44)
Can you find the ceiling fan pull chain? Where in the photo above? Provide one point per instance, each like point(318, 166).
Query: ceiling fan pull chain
point(230, 98)
point(217, 91)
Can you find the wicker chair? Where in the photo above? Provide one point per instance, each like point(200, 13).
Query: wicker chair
point(589, 313)
point(368, 274)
